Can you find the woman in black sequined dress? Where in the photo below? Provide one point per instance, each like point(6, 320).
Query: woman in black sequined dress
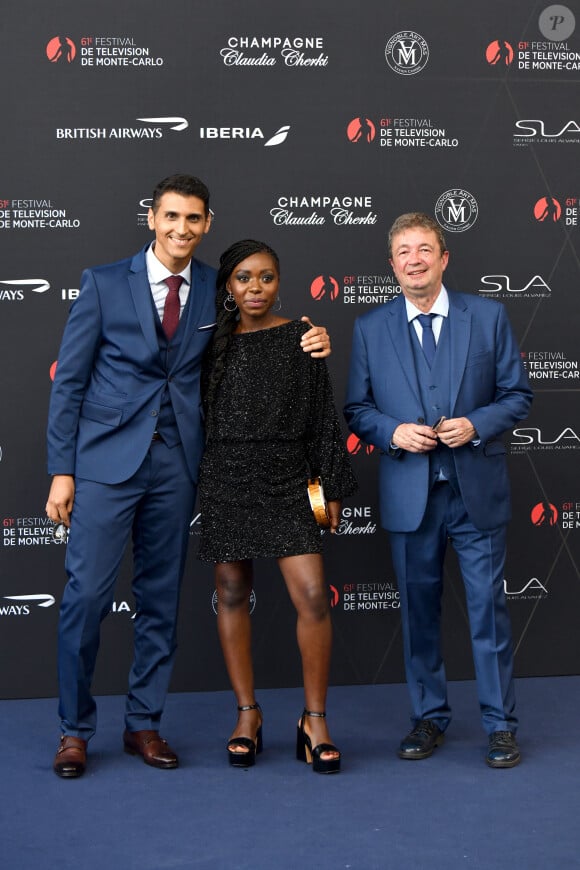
point(270, 410)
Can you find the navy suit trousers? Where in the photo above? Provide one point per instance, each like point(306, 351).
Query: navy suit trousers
point(155, 506)
point(418, 559)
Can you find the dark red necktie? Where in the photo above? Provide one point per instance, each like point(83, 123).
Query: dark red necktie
point(172, 307)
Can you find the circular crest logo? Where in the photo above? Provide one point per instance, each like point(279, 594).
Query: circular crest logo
point(407, 53)
point(361, 130)
point(324, 285)
point(456, 210)
point(547, 209)
point(61, 48)
point(499, 52)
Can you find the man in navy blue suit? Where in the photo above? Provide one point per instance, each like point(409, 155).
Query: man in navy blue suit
point(125, 437)
point(435, 379)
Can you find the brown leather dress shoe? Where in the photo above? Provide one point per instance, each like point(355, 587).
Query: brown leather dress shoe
point(152, 748)
point(70, 760)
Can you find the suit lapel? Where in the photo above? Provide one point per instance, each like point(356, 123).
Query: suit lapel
point(141, 293)
point(197, 300)
point(193, 311)
point(459, 335)
point(398, 327)
point(459, 338)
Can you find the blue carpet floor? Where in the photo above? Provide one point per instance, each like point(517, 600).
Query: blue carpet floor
point(443, 813)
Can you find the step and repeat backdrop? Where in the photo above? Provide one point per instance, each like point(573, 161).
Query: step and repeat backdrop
point(314, 125)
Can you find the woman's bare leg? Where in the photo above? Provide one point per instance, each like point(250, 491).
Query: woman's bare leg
point(234, 584)
point(304, 577)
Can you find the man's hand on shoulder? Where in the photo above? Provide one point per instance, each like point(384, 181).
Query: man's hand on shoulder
point(316, 341)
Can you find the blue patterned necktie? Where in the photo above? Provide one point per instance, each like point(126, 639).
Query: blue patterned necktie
point(428, 339)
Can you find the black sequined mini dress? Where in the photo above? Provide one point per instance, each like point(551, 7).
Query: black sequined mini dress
point(274, 412)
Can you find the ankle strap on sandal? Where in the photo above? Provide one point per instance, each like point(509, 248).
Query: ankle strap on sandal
point(247, 707)
point(312, 713)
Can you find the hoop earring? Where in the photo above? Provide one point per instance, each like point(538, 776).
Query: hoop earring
point(278, 303)
point(229, 298)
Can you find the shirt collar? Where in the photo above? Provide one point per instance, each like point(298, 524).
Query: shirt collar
point(440, 306)
point(158, 272)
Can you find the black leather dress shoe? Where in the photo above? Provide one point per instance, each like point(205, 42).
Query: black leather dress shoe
point(503, 751)
point(70, 760)
point(152, 748)
point(421, 741)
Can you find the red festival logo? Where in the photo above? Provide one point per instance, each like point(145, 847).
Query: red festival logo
point(499, 52)
point(324, 285)
point(61, 48)
point(547, 208)
point(52, 370)
point(354, 445)
point(361, 130)
point(334, 597)
point(544, 514)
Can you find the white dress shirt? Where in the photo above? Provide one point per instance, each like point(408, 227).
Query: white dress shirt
point(440, 309)
point(157, 273)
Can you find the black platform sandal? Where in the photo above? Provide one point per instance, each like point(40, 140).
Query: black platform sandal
point(305, 752)
point(246, 759)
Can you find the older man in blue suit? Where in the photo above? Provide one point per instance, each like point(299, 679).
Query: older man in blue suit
point(435, 379)
point(125, 437)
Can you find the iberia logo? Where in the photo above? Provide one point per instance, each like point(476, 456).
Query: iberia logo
point(324, 285)
point(499, 52)
point(61, 49)
point(354, 445)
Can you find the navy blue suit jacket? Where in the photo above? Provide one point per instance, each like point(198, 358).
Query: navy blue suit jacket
point(488, 385)
point(110, 376)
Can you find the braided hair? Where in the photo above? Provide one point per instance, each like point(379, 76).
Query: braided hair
point(226, 321)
